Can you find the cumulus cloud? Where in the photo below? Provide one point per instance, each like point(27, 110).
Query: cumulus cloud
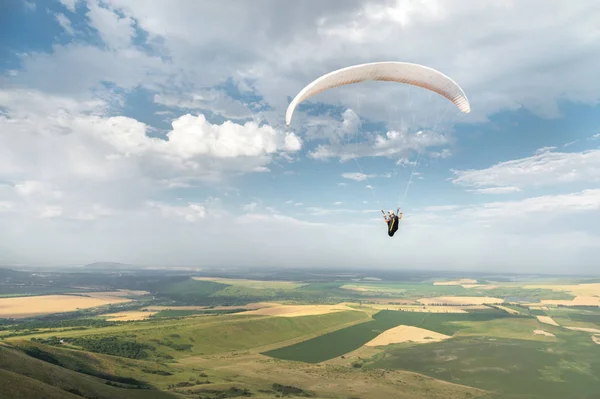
point(544, 169)
point(91, 145)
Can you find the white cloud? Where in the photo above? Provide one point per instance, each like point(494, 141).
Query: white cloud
point(336, 131)
point(273, 218)
point(70, 4)
point(105, 148)
point(394, 143)
point(29, 5)
point(544, 149)
point(194, 135)
point(405, 162)
point(497, 190)
point(65, 23)
point(551, 206)
point(544, 169)
point(445, 153)
point(357, 176)
point(570, 143)
point(279, 58)
point(214, 100)
point(116, 31)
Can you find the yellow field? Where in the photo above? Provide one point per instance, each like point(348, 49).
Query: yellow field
point(590, 330)
point(460, 300)
point(128, 316)
point(406, 334)
point(37, 305)
point(354, 288)
point(258, 284)
point(542, 332)
point(584, 290)
point(538, 307)
point(456, 282)
point(297, 310)
point(581, 300)
point(547, 320)
point(508, 310)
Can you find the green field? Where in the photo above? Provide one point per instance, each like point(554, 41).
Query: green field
point(184, 313)
point(427, 289)
point(513, 369)
point(214, 334)
point(340, 342)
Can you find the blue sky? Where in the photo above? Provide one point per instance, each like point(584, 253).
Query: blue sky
point(154, 133)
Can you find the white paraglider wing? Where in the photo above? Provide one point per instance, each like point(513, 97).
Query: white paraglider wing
point(401, 72)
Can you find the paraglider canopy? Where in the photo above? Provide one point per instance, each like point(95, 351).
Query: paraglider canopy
point(401, 72)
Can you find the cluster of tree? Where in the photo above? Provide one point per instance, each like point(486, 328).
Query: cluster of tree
point(112, 345)
point(53, 341)
point(291, 390)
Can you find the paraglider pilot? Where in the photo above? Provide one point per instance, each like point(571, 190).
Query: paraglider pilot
point(392, 221)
